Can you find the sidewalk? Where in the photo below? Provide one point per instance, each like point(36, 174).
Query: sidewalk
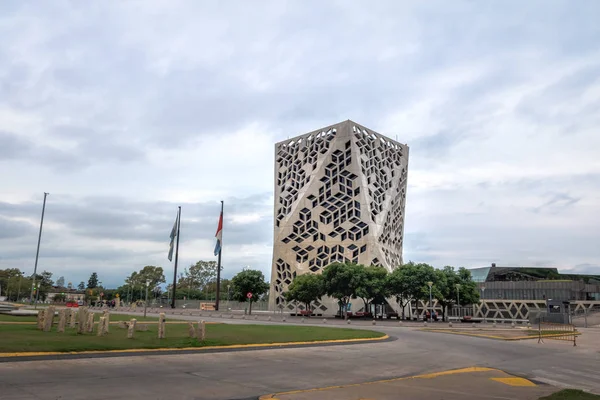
point(466, 383)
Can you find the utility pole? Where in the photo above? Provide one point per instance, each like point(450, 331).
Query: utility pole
point(37, 253)
point(430, 284)
point(19, 288)
point(146, 301)
point(458, 298)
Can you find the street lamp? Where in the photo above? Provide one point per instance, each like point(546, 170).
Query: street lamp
point(483, 297)
point(228, 295)
point(430, 284)
point(458, 297)
point(146, 302)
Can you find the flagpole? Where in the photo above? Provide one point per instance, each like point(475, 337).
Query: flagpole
point(176, 259)
point(219, 269)
point(37, 254)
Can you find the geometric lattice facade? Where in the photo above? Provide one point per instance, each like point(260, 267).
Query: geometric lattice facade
point(340, 195)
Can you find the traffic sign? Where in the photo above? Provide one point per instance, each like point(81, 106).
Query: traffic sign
point(249, 295)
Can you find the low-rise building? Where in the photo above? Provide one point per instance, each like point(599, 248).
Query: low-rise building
point(534, 283)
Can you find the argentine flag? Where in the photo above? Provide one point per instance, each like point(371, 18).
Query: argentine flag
point(173, 235)
point(219, 235)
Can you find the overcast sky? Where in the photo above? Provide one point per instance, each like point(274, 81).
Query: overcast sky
point(123, 110)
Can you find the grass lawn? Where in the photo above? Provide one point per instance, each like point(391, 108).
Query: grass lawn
point(26, 338)
point(571, 394)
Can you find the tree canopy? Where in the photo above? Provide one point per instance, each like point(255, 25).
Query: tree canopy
point(248, 281)
point(306, 289)
point(372, 288)
point(374, 285)
point(342, 281)
point(93, 281)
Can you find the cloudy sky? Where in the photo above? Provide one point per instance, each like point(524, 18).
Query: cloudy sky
point(123, 110)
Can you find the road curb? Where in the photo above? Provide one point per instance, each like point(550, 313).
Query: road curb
point(43, 356)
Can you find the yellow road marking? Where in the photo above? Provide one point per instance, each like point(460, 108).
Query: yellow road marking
point(464, 333)
point(199, 349)
point(455, 371)
point(515, 381)
point(423, 376)
point(499, 337)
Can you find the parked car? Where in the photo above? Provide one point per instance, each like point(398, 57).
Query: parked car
point(426, 316)
point(391, 314)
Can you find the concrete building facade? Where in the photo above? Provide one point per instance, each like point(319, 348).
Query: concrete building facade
point(340, 195)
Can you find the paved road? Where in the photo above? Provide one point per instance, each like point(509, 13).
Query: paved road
point(248, 374)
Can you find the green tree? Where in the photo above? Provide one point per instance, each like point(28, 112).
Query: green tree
point(341, 281)
point(60, 282)
point(199, 276)
point(469, 293)
point(8, 277)
point(445, 287)
point(372, 288)
point(248, 281)
point(44, 284)
point(14, 284)
point(93, 281)
point(399, 284)
point(135, 284)
point(417, 276)
point(305, 289)
point(151, 273)
point(211, 289)
point(59, 298)
point(81, 285)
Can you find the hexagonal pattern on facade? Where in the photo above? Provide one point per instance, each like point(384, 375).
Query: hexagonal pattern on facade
point(339, 196)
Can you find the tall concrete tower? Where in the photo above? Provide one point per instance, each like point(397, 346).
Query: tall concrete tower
point(340, 193)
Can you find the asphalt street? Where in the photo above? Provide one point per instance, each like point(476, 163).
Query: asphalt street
point(249, 374)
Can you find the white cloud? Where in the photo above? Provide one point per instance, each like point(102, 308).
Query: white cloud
point(149, 105)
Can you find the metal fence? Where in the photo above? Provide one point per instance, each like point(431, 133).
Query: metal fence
point(555, 331)
point(223, 305)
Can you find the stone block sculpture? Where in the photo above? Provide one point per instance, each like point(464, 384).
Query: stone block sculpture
point(40, 319)
point(201, 334)
point(106, 316)
point(49, 318)
point(131, 330)
point(82, 316)
point(62, 320)
point(161, 326)
point(101, 326)
point(89, 325)
point(72, 318)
